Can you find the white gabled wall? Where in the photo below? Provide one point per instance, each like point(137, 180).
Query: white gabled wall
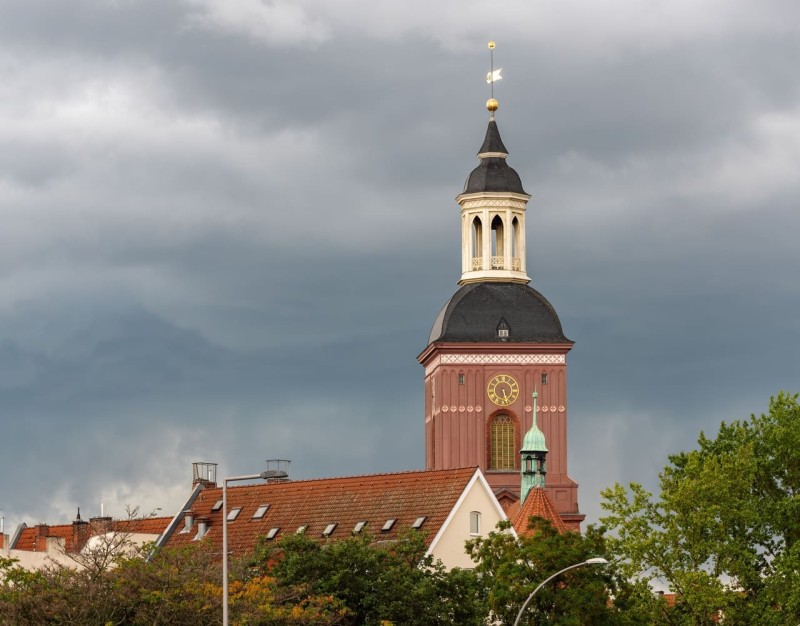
point(448, 544)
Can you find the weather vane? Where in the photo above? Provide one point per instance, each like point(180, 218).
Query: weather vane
point(492, 77)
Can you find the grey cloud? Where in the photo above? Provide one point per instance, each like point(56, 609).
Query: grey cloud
point(212, 247)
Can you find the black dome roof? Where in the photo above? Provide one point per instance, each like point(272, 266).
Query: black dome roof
point(493, 173)
point(476, 310)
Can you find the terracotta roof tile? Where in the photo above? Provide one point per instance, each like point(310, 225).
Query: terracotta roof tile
point(34, 538)
point(537, 503)
point(344, 501)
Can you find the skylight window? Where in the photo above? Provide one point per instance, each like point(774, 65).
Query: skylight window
point(234, 513)
point(272, 532)
point(329, 530)
point(301, 529)
point(359, 527)
point(217, 505)
point(260, 511)
point(419, 522)
point(388, 525)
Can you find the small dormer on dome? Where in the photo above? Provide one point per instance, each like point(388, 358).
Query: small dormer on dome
point(493, 217)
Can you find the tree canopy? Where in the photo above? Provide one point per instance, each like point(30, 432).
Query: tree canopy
point(378, 583)
point(511, 568)
point(723, 532)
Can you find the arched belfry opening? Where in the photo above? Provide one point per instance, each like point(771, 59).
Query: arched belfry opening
point(516, 244)
point(498, 243)
point(477, 243)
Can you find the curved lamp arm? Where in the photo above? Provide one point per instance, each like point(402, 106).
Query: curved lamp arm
point(594, 561)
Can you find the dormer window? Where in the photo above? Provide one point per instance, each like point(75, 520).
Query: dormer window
point(503, 330)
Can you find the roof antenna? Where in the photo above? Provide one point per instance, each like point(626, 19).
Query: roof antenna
point(492, 77)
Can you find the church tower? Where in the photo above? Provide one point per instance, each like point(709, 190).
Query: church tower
point(495, 343)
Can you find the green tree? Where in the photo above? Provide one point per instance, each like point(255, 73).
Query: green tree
point(511, 568)
point(376, 583)
point(176, 587)
point(723, 533)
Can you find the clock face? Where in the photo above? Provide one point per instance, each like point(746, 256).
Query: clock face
point(502, 390)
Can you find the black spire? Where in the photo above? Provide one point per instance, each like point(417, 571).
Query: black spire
point(492, 142)
point(493, 173)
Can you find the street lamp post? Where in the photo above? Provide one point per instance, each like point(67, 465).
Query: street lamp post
point(265, 475)
point(593, 561)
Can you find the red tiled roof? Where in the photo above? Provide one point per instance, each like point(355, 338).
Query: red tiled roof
point(30, 539)
point(537, 503)
point(34, 538)
point(373, 499)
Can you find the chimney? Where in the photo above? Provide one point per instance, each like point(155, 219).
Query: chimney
point(204, 474)
point(202, 528)
point(188, 521)
point(40, 541)
point(80, 533)
point(101, 525)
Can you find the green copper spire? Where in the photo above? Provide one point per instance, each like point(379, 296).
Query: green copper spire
point(533, 453)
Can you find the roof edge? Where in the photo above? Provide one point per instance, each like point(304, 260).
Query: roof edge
point(12, 544)
point(162, 540)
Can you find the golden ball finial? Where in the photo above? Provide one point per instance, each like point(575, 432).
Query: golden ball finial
point(491, 45)
point(491, 105)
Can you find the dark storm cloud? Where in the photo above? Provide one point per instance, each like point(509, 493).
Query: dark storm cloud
point(227, 228)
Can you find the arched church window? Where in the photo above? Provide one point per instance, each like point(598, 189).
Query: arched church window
point(503, 443)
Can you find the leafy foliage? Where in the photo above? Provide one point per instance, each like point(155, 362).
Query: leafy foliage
point(296, 582)
point(724, 532)
point(511, 568)
point(377, 583)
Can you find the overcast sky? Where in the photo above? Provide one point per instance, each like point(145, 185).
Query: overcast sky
point(226, 228)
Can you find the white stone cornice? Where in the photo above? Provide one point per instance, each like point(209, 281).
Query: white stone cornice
point(493, 202)
point(510, 359)
point(478, 195)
